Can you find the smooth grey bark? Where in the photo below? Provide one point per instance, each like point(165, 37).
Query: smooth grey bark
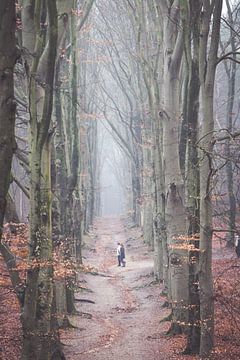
point(175, 214)
point(231, 70)
point(191, 17)
point(208, 51)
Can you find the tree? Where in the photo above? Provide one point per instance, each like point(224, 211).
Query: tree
point(8, 57)
point(36, 317)
point(231, 71)
point(175, 214)
point(208, 52)
point(189, 161)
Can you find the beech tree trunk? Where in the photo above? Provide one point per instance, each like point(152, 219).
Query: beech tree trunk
point(231, 75)
point(36, 316)
point(62, 159)
point(207, 69)
point(8, 57)
point(191, 18)
point(175, 215)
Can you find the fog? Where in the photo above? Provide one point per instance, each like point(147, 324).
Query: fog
point(113, 202)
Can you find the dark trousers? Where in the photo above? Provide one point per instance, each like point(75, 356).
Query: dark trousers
point(238, 249)
point(119, 260)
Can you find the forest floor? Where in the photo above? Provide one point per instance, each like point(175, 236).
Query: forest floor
point(120, 309)
point(124, 322)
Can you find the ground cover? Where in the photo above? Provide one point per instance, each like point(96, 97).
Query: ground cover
point(120, 310)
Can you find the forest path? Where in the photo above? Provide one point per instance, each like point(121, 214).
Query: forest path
point(124, 321)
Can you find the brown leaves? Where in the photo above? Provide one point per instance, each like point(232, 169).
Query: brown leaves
point(227, 307)
point(10, 339)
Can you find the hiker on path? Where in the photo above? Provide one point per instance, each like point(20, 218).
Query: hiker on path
point(119, 254)
point(122, 255)
point(237, 244)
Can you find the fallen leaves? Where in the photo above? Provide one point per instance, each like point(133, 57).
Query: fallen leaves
point(226, 272)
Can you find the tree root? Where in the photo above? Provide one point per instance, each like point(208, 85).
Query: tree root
point(56, 349)
point(66, 324)
point(174, 329)
point(164, 293)
point(166, 304)
point(96, 273)
point(85, 301)
point(166, 318)
point(58, 355)
point(85, 315)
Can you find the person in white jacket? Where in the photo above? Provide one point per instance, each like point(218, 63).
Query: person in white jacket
point(119, 254)
point(237, 244)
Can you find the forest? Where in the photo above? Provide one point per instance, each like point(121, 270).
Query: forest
point(119, 132)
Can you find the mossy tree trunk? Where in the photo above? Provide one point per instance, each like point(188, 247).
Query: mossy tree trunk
point(8, 57)
point(191, 17)
point(36, 316)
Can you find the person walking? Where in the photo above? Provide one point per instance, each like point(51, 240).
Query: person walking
point(122, 255)
point(119, 254)
point(237, 244)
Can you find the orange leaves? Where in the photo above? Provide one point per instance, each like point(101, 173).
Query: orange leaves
point(184, 243)
point(16, 237)
point(186, 238)
point(4, 281)
point(63, 268)
point(77, 12)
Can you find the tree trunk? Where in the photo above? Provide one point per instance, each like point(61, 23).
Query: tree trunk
point(231, 74)
point(36, 315)
point(191, 17)
point(207, 71)
point(8, 56)
point(11, 214)
point(175, 215)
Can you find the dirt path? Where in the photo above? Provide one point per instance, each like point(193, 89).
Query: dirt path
point(124, 321)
